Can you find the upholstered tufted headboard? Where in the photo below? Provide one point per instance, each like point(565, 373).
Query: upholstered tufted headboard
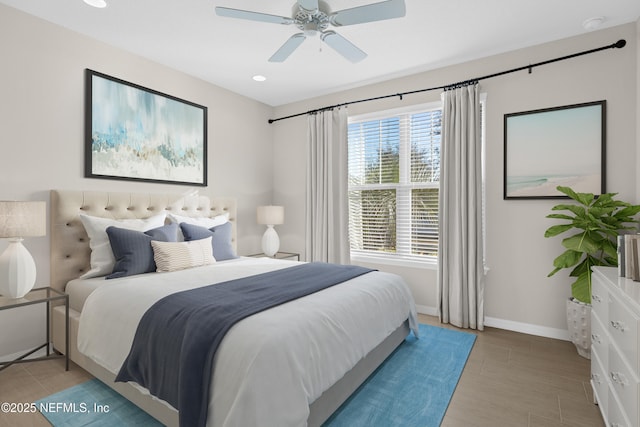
point(70, 252)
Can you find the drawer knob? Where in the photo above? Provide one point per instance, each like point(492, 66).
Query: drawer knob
point(596, 338)
point(618, 377)
point(596, 379)
point(596, 298)
point(616, 324)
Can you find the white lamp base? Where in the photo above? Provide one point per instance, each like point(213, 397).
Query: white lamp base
point(270, 241)
point(17, 270)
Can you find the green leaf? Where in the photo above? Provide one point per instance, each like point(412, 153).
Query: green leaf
point(581, 288)
point(555, 270)
point(581, 268)
point(577, 210)
point(560, 216)
point(604, 199)
point(582, 242)
point(628, 212)
point(554, 230)
point(584, 198)
point(610, 249)
point(568, 191)
point(567, 259)
point(598, 212)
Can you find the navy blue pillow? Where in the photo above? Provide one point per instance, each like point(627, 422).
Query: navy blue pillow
point(132, 249)
point(220, 238)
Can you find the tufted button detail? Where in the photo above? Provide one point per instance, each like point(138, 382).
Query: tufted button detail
point(130, 208)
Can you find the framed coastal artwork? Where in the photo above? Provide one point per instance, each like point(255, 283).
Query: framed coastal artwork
point(546, 148)
point(136, 133)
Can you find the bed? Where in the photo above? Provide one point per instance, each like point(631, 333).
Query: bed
point(346, 351)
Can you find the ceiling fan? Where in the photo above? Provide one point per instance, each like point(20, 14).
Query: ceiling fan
point(315, 17)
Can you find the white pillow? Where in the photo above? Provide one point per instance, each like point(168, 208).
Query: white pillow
point(172, 256)
point(201, 222)
point(102, 259)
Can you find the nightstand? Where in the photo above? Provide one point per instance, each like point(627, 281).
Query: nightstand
point(279, 255)
point(44, 296)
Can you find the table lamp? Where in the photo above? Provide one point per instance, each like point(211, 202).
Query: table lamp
point(17, 268)
point(270, 216)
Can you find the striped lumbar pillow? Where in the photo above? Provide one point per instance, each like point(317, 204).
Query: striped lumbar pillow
point(172, 256)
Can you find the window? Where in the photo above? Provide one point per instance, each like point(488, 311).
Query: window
point(394, 174)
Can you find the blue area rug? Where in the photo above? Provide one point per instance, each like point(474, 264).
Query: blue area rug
point(412, 388)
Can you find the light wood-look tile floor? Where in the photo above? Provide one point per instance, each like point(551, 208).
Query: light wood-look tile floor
point(510, 380)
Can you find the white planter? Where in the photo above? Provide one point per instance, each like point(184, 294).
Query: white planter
point(579, 325)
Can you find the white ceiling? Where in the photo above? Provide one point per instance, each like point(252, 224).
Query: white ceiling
point(187, 35)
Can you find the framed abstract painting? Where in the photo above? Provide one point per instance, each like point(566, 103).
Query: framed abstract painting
point(560, 146)
point(136, 133)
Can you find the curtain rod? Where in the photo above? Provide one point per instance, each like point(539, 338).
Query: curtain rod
point(619, 45)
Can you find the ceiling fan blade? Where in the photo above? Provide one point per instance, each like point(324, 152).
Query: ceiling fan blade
point(343, 46)
point(252, 16)
point(308, 5)
point(368, 13)
point(288, 47)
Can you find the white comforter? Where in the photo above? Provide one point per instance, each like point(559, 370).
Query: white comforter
point(271, 366)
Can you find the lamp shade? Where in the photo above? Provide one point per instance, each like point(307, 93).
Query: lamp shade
point(22, 219)
point(270, 215)
point(17, 267)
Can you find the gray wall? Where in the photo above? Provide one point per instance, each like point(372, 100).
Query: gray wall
point(42, 125)
point(518, 295)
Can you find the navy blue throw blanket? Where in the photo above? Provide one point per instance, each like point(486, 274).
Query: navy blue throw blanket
point(177, 338)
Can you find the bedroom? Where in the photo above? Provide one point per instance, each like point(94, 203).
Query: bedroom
point(45, 87)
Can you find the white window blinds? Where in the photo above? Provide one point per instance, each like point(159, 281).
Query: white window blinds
point(394, 173)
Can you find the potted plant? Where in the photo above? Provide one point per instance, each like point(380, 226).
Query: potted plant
point(595, 223)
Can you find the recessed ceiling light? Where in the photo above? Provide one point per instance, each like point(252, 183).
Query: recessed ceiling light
point(259, 78)
point(593, 23)
point(96, 3)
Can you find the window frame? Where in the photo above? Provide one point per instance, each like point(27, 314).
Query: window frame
point(403, 189)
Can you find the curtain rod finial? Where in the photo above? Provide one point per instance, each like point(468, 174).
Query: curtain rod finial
point(620, 43)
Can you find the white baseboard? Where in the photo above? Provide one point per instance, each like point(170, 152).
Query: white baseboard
point(510, 325)
point(527, 328)
point(425, 309)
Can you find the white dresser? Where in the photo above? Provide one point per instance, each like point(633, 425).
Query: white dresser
point(615, 364)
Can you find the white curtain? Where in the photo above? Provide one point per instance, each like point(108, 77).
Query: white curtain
point(460, 252)
point(327, 221)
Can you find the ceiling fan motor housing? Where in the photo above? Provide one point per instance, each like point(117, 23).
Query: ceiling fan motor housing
point(314, 21)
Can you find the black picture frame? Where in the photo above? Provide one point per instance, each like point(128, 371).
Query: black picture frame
point(135, 133)
point(555, 146)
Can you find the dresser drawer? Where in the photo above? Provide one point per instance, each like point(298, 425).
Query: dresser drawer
point(599, 340)
point(599, 384)
point(599, 299)
point(623, 329)
point(615, 416)
point(625, 385)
